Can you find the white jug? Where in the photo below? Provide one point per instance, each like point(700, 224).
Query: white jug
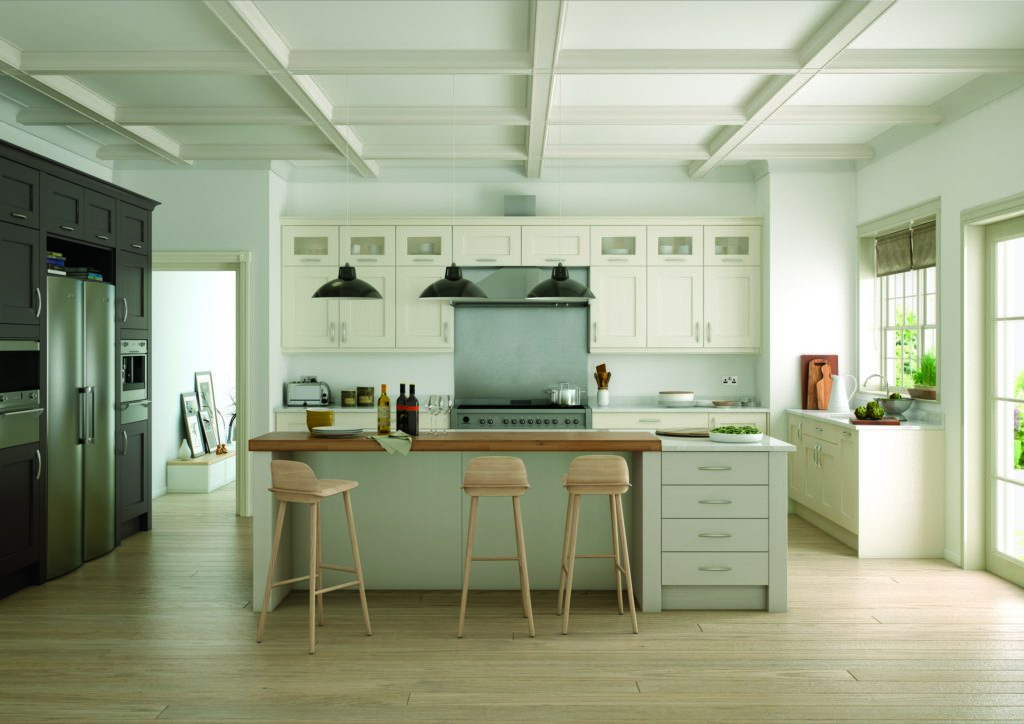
point(839, 401)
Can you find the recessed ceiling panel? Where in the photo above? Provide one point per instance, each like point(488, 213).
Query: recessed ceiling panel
point(654, 90)
point(700, 25)
point(425, 90)
point(249, 135)
point(950, 24)
point(620, 135)
point(879, 89)
point(188, 91)
point(400, 24)
point(442, 135)
point(807, 133)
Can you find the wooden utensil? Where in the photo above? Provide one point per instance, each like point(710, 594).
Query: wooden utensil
point(813, 378)
point(824, 386)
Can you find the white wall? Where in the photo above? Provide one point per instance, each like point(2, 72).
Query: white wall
point(977, 159)
point(193, 331)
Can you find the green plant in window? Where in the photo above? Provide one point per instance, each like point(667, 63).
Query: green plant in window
point(905, 350)
point(926, 373)
point(1018, 424)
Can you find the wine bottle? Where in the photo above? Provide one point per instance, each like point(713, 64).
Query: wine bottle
point(384, 412)
point(401, 411)
point(412, 412)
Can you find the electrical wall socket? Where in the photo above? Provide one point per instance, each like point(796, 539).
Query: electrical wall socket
point(730, 380)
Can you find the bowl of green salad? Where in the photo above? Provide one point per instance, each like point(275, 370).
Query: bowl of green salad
point(735, 433)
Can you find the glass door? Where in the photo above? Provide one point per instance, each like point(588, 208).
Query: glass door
point(1006, 403)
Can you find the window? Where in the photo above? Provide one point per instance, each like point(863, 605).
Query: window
point(908, 304)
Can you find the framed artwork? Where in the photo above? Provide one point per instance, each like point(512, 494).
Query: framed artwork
point(190, 415)
point(207, 410)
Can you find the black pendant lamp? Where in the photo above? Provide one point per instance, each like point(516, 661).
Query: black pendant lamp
point(452, 286)
point(346, 286)
point(560, 286)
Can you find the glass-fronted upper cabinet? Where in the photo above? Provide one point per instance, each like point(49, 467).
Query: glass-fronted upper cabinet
point(424, 245)
point(618, 245)
point(363, 245)
point(309, 245)
point(675, 245)
point(732, 245)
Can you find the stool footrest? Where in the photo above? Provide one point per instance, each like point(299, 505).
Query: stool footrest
point(343, 569)
point(290, 580)
point(495, 558)
point(338, 587)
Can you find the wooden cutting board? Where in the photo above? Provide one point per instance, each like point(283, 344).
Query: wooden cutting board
point(883, 421)
point(683, 432)
point(810, 375)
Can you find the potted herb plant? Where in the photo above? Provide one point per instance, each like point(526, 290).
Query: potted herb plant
point(924, 378)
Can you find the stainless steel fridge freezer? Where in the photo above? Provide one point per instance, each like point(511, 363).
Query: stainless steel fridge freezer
point(80, 389)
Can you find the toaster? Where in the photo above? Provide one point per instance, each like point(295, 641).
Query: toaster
point(307, 392)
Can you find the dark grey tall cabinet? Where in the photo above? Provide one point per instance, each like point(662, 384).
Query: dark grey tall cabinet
point(47, 207)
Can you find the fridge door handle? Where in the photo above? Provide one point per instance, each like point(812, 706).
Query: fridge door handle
point(87, 415)
point(82, 391)
point(39, 464)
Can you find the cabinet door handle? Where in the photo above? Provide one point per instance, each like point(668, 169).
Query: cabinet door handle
point(486, 258)
point(715, 569)
point(136, 246)
point(444, 332)
point(424, 259)
point(730, 259)
point(713, 501)
point(707, 334)
point(124, 317)
point(124, 443)
point(800, 433)
point(715, 467)
point(714, 535)
point(39, 302)
point(344, 332)
point(649, 419)
point(68, 228)
point(368, 260)
point(617, 259)
point(556, 259)
point(819, 429)
point(16, 215)
point(39, 464)
point(330, 331)
point(310, 260)
point(696, 331)
point(847, 433)
point(595, 332)
point(105, 238)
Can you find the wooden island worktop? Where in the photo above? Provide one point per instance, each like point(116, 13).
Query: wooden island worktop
point(706, 520)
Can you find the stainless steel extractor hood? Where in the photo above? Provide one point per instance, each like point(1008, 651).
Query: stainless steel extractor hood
point(511, 285)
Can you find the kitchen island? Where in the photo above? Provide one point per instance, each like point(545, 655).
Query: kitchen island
point(707, 520)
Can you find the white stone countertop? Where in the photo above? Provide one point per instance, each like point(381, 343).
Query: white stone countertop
point(699, 444)
point(843, 420)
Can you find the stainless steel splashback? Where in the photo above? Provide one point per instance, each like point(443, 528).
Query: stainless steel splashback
point(515, 352)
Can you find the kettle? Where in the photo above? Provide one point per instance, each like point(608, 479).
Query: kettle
point(839, 401)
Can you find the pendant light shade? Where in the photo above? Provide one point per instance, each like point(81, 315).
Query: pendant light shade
point(346, 286)
point(560, 286)
point(452, 286)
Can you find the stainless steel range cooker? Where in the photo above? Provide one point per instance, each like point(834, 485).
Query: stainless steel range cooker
point(519, 415)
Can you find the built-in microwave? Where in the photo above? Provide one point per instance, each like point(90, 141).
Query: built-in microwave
point(19, 392)
point(134, 380)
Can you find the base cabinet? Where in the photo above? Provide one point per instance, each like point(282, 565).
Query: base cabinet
point(133, 479)
point(878, 490)
point(21, 516)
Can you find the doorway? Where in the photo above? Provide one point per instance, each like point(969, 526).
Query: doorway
point(230, 270)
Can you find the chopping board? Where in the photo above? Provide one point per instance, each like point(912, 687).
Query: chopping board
point(683, 432)
point(883, 421)
point(815, 385)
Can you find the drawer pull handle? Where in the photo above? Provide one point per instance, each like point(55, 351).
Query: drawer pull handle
point(715, 468)
point(819, 429)
point(18, 216)
point(715, 569)
point(68, 228)
point(555, 258)
point(649, 419)
point(714, 535)
point(424, 260)
point(715, 502)
point(136, 246)
point(103, 237)
point(486, 258)
point(367, 259)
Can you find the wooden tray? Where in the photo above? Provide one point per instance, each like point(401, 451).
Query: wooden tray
point(683, 432)
point(883, 421)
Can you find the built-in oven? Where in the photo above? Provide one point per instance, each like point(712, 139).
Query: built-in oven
point(20, 403)
point(134, 380)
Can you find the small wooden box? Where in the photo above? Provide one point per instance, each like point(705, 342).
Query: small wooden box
point(200, 475)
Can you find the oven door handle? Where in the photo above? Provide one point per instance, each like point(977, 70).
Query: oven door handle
point(33, 411)
point(126, 405)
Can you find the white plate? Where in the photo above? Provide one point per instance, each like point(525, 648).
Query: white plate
point(337, 431)
point(727, 437)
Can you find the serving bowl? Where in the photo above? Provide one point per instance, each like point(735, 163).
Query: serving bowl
point(894, 408)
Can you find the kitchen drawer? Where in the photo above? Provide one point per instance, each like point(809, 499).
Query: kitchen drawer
point(714, 468)
point(823, 431)
point(714, 501)
point(727, 534)
point(714, 569)
point(653, 420)
point(365, 418)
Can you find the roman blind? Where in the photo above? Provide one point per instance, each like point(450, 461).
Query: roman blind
point(912, 247)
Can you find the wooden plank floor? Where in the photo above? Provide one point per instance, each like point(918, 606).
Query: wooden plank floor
point(162, 628)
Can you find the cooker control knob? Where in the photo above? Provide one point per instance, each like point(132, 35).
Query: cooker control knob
point(547, 422)
point(490, 421)
point(568, 421)
point(481, 421)
point(504, 421)
point(514, 421)
point(555, 421)
point(522, 421)
point(3, 398)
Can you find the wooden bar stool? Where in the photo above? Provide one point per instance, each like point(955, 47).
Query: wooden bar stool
point(294, 482)
point(493, 477)
point(595, 475)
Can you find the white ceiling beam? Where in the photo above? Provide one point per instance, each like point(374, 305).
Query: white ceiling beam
point(840, 29)
point(633, 152)
point(234, 62)
point(803, 151)
point(88, 104)
point(176, 116)
point(547, 22)
point(230, 152)
point(654, 62)
point(409, 62)
point(244, 20)
point(928, 61)
point(473, 152)
point(432, 115)
point(732, 116)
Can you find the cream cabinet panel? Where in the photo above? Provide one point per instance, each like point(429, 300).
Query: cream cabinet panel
point(732, 245)
point(421, 323)
point(369, 323)
point(308, 323)
point(618, 313)
point(487, 245)
point(309, 246)
point(675, 307)
point(732, 307)
point(423, 245)
point(796, 460)
point(675, 245)
point(290, 421)
point(618, 245)
point(552, 245)
point(367, 245)
point(653, 420)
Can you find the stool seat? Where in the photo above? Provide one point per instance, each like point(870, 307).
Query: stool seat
point(598, 470)
point(294, 482)
point(496, 476)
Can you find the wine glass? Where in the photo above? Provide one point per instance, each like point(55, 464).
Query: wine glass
point(444, 404)
point(451, 406)
point(433, 403)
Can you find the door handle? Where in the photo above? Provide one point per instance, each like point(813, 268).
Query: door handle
point(39, 464)
point(330, 331)
point(124, 302)
point(444, 332)
point(344, 332)
point(486, 259)
point(714, 535)
point(124, 443)
point(101, 236)
point(713, 467)
point(16, 215)
point(715, 569)
point(91, 438)
point(696, 331)
point(39, 302)
point(595, 332)
point(707, 334)
point(713, 501)
point(68, 228)
point(555, 259)
point(82, 391)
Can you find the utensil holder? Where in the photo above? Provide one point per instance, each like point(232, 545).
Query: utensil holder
point(603, 398)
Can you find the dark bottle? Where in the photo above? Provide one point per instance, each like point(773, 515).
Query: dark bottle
point(401, 411)
point(412, 410)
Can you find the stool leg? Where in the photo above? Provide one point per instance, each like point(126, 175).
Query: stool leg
point(356, 562)
point(270, 572)
point(524, 578)
point(615, 550)
point(469, 562)
point(625, 560)
point(320, 585)
point(564, 570)
point(313, 560)
point(576, 499)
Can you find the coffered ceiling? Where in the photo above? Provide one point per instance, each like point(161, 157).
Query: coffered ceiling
point(381, 86)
